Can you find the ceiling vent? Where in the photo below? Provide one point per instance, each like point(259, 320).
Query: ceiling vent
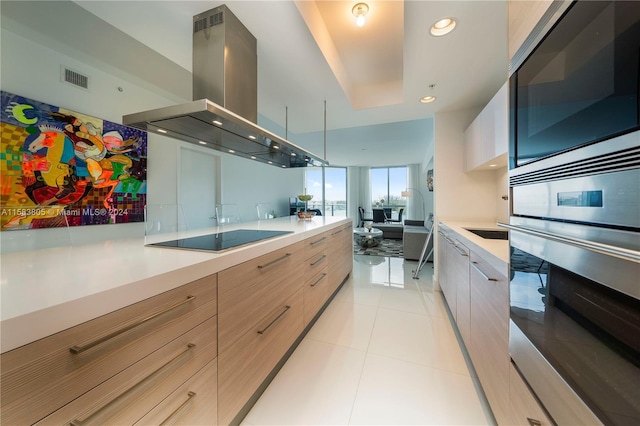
point(75, 78)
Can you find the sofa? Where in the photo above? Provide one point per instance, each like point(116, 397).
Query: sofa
point(390, 230)
point(414, 234)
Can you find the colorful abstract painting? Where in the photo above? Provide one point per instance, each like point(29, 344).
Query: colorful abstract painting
point(62, 168)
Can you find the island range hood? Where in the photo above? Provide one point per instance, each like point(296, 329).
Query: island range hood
point(225, 85)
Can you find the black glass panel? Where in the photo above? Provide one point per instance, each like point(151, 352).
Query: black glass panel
point(587, 332)
point(220, 241)
point(580, 85)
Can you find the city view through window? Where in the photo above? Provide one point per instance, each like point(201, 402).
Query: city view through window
point(333, 200)
point(387, 184)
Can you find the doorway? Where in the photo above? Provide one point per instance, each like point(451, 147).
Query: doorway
point(198, 187)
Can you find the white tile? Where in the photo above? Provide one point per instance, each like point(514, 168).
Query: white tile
point(359, 294)
point(434, 304)
point(345, 324)
point(417, 338)
point(403, 299)
point(317, 386)
point(402, 393)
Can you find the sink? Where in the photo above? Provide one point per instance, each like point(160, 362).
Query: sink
point(490, 235)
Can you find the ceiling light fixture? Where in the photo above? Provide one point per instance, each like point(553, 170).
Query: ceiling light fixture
point(217, 123)
point(429, 98)
point(443, 27)
point(359, 11)
point(162, 131)
point(202, 142)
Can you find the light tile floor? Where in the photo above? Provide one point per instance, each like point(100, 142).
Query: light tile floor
point(383, 352)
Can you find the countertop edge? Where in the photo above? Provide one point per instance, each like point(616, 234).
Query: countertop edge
point(29, 327)
point(495, 252)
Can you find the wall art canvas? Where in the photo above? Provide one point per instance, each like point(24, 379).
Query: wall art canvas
point(63, 168)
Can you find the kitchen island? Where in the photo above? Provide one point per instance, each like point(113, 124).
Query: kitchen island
point(83, 326)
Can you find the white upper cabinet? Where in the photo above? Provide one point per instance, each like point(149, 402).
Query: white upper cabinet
point(486, 140)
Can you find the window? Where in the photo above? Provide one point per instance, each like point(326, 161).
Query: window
point(328, 186)
point(387, 184)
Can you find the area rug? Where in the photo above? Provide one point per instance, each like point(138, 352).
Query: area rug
point(387, 247)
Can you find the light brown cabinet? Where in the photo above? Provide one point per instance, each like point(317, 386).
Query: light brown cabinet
point(489, 347)
point(340, 255)
point(246, 364)
point(264, 306)
point(454, 278)
point(193, 355)
point(250, 291)
point(478, 298)
point(98, 360)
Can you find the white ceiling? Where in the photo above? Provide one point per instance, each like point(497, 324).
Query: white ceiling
point(467, 66)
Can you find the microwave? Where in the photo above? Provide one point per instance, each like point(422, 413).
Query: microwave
point(580, 85)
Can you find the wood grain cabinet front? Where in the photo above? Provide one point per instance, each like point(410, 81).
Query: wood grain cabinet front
point(340, 255)
point(131, 394)
point(247, 363)
point(316, 281)
point(193, 403)
point(42, 376)
point(489, 349)
point(249, 292)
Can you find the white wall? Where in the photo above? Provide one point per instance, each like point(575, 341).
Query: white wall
point(459, 195)
point(30, 69)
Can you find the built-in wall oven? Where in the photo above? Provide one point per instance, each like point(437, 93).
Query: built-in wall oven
point(575, 216)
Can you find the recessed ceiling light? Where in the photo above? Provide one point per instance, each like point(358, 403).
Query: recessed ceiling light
point(162, 131)
point(217, 123)
point(276, 147)
point(284, 167)
point(232, 151)
point(253, 157)
point(202, 143)
point(427, 99)
point(270, 162)
point(293, 154)
point(493, 165)
point(252, 137)
point(443, 27)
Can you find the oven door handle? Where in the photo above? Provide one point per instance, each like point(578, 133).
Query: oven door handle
point(621, 253)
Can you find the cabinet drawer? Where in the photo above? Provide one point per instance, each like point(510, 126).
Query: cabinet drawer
point(315, 293)
point(315, 264)
point(193, 403)
point(315, 245)
point(48, 372)
point(252, 290)
point(130, 394)
point(246, 364)
point(490, 334)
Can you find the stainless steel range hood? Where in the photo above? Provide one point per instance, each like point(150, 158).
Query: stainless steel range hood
point(225, 84)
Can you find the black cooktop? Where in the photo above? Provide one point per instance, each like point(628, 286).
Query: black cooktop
point(221, 240)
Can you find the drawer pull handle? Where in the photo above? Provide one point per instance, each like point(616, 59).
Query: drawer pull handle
point(79, 349)
point(337, 232)
point(77, 422)
point(180, 409)
point(286, 308)
point(319, 279)
point(534, 422)
point(482, 273)
point(319, 260)
point(462, 253)
point(318, 241)
point(266, 265)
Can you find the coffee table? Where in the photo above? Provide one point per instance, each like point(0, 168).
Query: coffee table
point(367, 238)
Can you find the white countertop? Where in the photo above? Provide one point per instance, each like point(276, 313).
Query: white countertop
point(496, 252)
point(47, 291)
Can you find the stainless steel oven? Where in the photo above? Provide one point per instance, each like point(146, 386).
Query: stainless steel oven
point(575, 281)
